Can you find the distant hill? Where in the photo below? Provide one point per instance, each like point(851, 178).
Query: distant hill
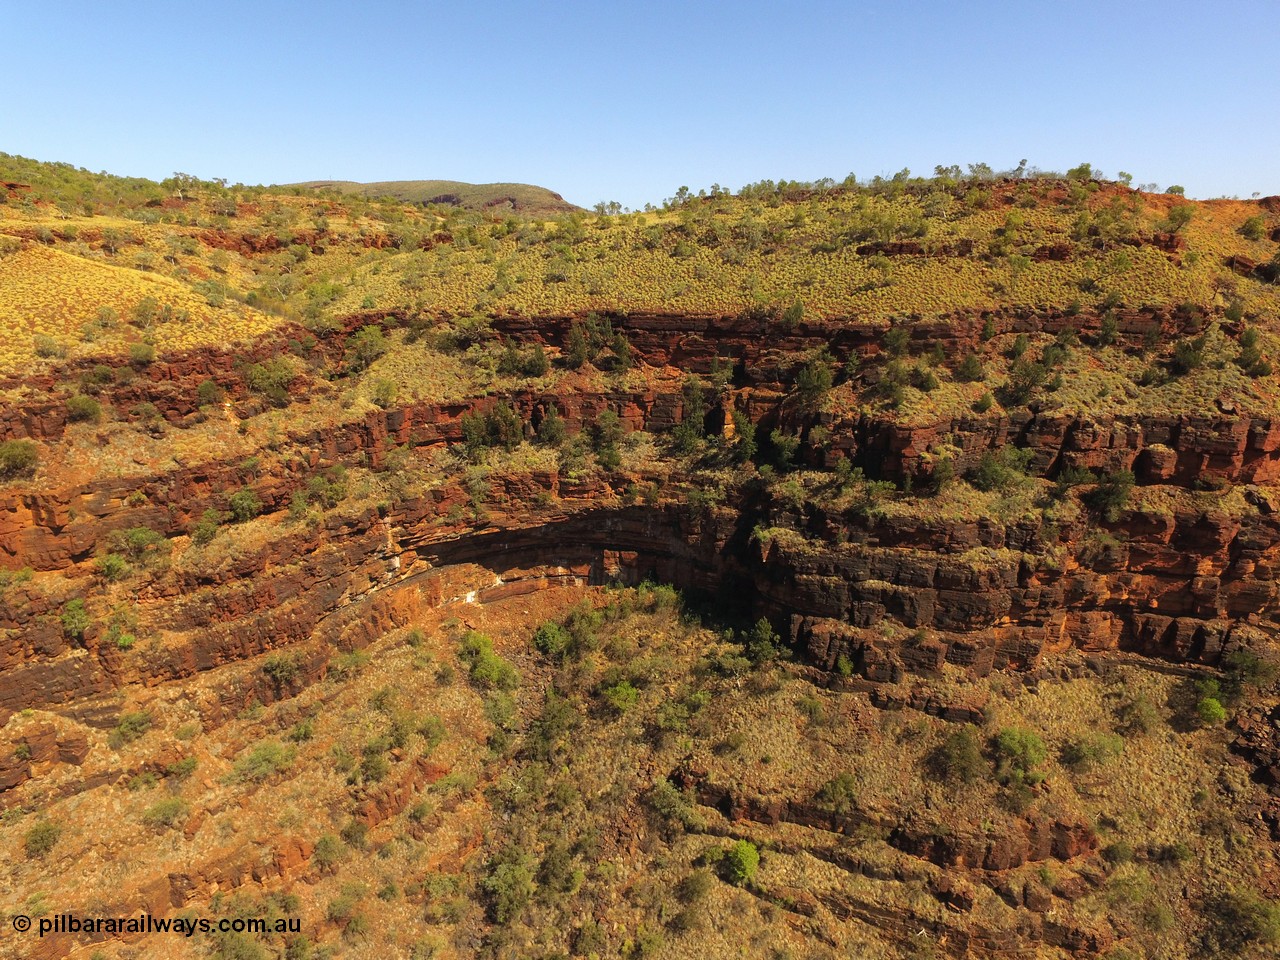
point(516, 197)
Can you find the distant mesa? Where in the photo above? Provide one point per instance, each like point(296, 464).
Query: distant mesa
point(520, 198)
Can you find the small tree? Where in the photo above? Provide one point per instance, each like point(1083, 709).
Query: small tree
point(1111, 494)
point(365, 346)
point(606, 434)
point(896, 341)
point(814, 383)
point(621, 696)
point(959, 757)
point(1188, 355)
point(970, 370)
point(745, 432)
point(75, 619)
point(1180, 216)
point(576, 349)
point(551, 429)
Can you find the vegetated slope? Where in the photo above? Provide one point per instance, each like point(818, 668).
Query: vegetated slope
point(520, 198)
point(1005, 546)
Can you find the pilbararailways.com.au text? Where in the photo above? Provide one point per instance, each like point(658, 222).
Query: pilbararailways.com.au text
point(144, 923)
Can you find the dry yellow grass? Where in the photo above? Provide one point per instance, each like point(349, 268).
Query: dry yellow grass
point(48, 293)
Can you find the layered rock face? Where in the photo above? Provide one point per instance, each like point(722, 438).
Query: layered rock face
point(871, 596)
point(1178, 582)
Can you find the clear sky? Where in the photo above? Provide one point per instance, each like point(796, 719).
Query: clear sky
point(627, 100)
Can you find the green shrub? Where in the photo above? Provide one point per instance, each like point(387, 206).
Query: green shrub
point(137, 543)
point(83, 409)
point(281, 669)
point(673, 806)
point(959, 757)
point(1245, 669)
point(1139, 716)
point(328, 852)
point(271, 379)
point(784, 447)
point(183, 768)
point(384, 392)
point(1239, 920)
point(552, 639)
point(244, 505)
point(329, 488)
point(509, 886)
point(18, 458)
point(432, 730)
point(741, 862)
point(1254, 228)
point(1023, 380)
point(131, 726)
point(47, 347)
point(263, 761)
point(209, 392)
point(971, 370)
point(793, 315)
point(487, 668)
point(206, 528)
point(1001, 469)
point(814, 383)
point(761, 642)
point(695, 886)
point(141, 354)
point(1018, 753)
point(40, 839)
point(1210, 711)
point(112, 566)
point(1175, 854)
point(165, 813)
point(1188, 355)
point(839, 794)
point(117, 634)
point(499, 427)
point(1118, 853)
point(621, 696)
point(374, 767)
point(896, 340)
point(744, 430)
point(551, 429)
point(1092, 751)
point(1108, 329)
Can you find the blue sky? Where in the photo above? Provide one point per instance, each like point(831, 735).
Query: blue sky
point(627, 101)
